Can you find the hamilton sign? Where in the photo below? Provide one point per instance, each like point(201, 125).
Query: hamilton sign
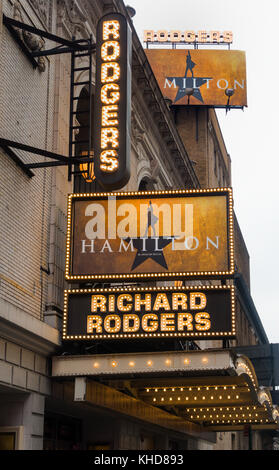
point(118, 313)
point(208, 73)
point(150, 235)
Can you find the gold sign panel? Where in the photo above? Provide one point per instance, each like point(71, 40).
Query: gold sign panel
point(209, 73)
point(201, 312)
point(150, 234)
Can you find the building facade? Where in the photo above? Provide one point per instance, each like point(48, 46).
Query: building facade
point(171, 148)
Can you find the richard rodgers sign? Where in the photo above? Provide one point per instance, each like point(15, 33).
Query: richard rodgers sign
point(154, 235)
point(118, 313)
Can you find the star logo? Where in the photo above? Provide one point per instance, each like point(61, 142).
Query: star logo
point(189, 82)
point(150, 247)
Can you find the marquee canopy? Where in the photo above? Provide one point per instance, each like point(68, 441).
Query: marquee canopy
point(213, 390)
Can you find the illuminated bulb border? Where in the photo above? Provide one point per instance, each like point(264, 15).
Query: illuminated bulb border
point(126, 290)
point(70, 277)
point(217, 415)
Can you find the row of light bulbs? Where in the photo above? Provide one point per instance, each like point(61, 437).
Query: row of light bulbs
point(149, 362)
point(252, 414)
point(149, 193)
point(239, 421)
point(212, 397)
point(229, 419)
point(226, 408)
point(248, 371)
point(150, 288)
point(218, 334)
point(190, 388)
point(149, 275)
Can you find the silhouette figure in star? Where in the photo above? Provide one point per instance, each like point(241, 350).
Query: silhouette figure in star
point(189, 65)
point(150, 247)
point(151, 220)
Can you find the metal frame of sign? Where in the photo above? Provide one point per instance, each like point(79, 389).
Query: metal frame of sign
point(150, 335)
point(70, 276)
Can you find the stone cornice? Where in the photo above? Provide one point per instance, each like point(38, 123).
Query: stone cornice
point(27, 331)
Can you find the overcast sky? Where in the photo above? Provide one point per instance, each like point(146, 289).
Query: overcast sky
point(251, 136)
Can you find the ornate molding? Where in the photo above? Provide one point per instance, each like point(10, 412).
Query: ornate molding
point(72, 17)
point(137, 128)
point(41, 7)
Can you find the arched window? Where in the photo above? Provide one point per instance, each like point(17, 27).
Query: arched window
point(147, 184)
point(84, 182)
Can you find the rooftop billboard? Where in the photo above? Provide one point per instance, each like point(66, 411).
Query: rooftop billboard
point(207, 73)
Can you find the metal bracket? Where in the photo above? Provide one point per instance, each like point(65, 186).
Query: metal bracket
point(69, 45)
point(73, 46)
point(59, 160)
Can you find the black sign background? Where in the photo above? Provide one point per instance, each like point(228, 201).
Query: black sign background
point(220, 306)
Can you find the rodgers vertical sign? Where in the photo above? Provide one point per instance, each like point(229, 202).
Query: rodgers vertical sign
point(112, 102)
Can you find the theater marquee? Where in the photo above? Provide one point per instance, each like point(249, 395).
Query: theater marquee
point(191, 312)
point(150, 235)
point(208, 72)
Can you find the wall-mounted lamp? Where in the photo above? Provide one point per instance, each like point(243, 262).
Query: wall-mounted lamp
point(87, 169)
point(228, 92)
point(189, 92)
point(131, 11)
point(168, 101)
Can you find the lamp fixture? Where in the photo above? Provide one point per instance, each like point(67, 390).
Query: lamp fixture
point(189, 92)
point(229, 92)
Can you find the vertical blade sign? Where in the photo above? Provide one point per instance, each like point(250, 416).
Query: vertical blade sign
point(112, 113)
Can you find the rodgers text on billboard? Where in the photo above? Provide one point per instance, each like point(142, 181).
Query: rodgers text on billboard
point(119, 313)
point(155, 235)
point(177, 36)
point(209, 73)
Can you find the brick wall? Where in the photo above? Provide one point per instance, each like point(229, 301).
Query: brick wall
point(242, 258)
point(60, 187)
point(202, 137)
point(192, 127)
point(245, 333)
point(26, 106)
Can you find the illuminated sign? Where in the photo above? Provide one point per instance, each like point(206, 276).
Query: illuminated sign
point(188, 37)
point(209, 73)
point(150, 234)
point(112, 102)
point(188, 312)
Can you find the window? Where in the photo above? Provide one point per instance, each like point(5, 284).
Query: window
point(146, 184)
point(7, 440)
point(11, 438)
point(84, 182)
